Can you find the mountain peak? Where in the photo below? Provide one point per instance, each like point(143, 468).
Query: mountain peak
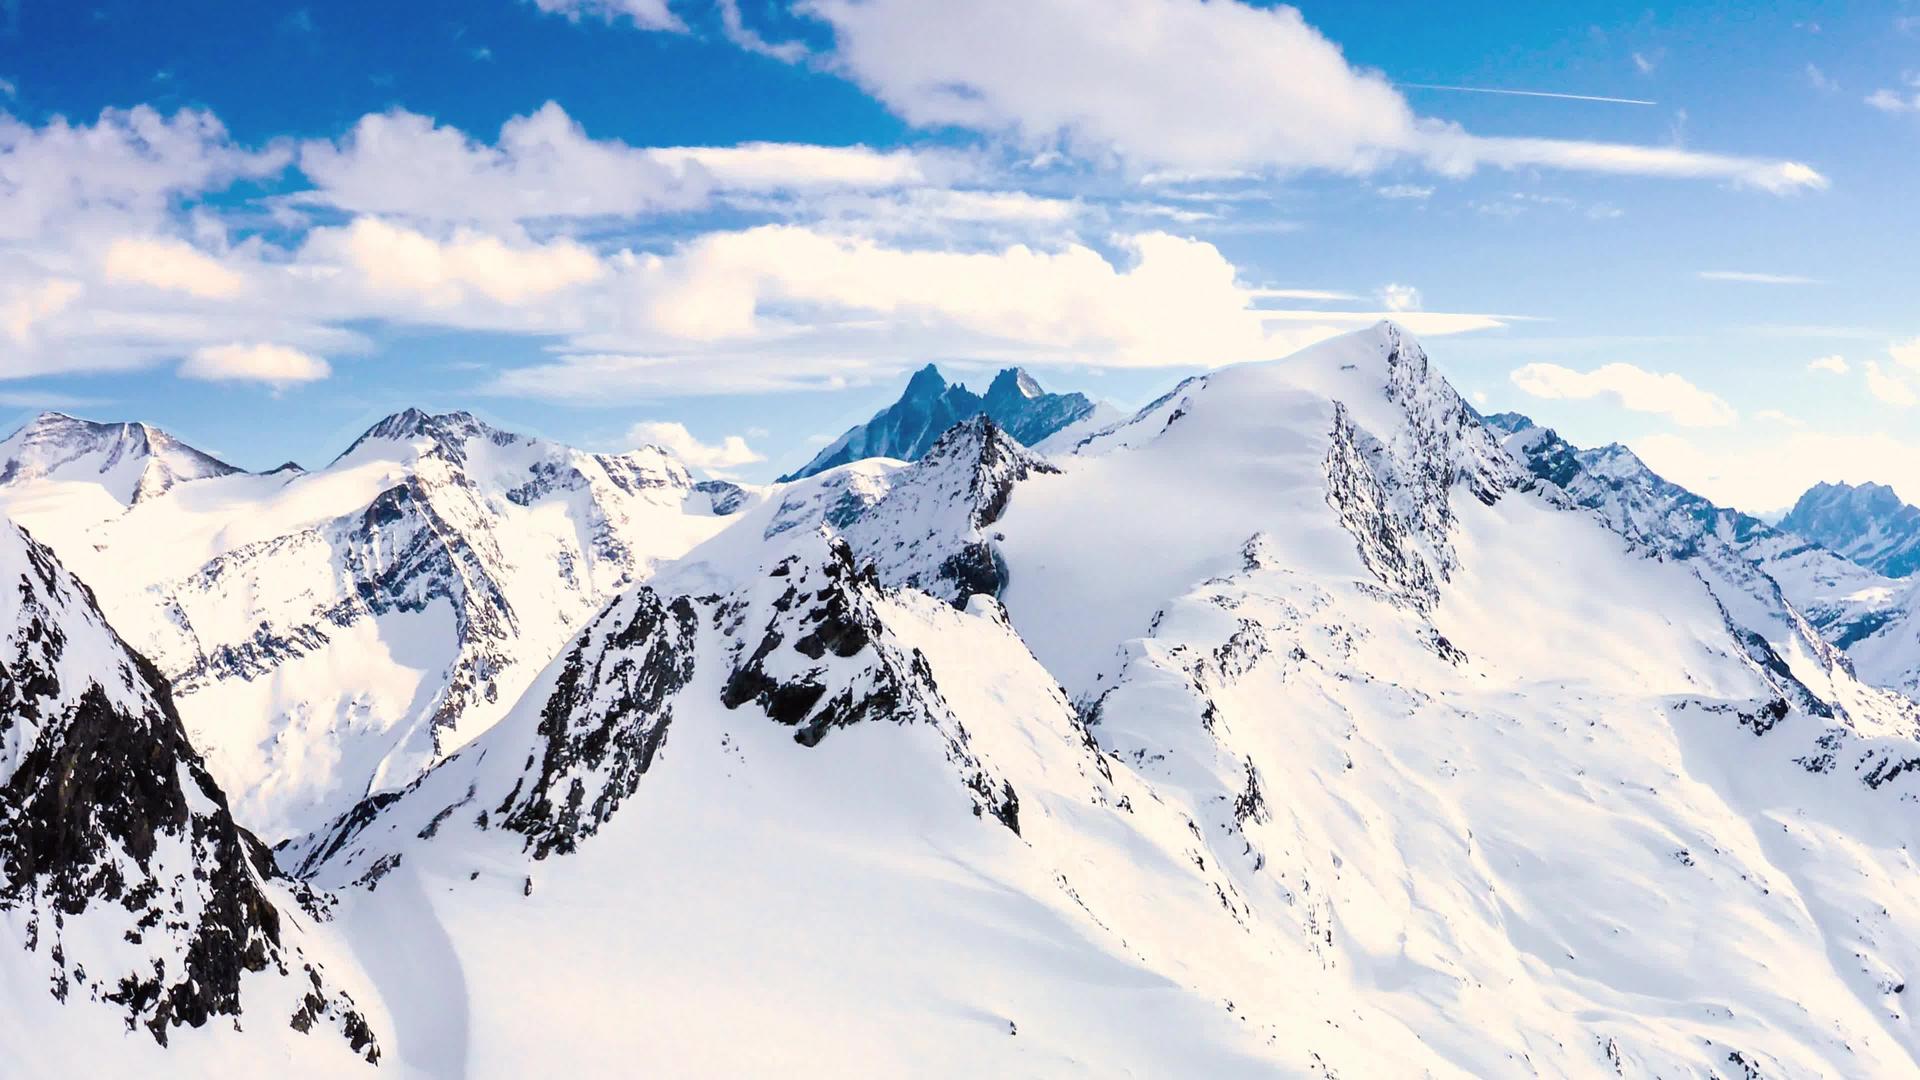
point(1868, 523)
point(926, 383)
point(131, 460)
point(449, 430)
point(931, 406)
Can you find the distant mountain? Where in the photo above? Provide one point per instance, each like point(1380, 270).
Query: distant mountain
point(909, 427)
point(1868, 524)
point(129, 461)
point(334, 632)
point(1804, 598)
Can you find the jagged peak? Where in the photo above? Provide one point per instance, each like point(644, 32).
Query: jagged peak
point(926, 383)
point(450, 430)
point(1012, 382)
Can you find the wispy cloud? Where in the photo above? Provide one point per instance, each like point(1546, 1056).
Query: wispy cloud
point(1833, 365)
point(1752, 278)
point(1532, 93)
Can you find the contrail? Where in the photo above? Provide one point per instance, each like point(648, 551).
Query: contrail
point(1527, 93)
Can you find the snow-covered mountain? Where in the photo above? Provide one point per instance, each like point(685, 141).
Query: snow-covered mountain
point(132, 903)
point(911, 426)
point(332, 632)
point(1303, 723)
point(1868, 524)
point(105, 467)
point(1800, 595)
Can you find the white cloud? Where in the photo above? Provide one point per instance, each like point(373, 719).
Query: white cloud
point(764, 166)
point(1768, 469)
point(543, 165)
point(276, 365)
point(1775, 416)
point(1889, 387)
point(1906, 353)
point(1404, 191)
point(730, 452)
point(1820, 80)
point(1835, 364)
point(1400, 297)
point(132, 162)
point(645, 14)
point(165, 263)
point(744, 36)
point(1894, 101)
point(27, 307)
point(1752, 278)
point(1666, 394)
point(1176, 86)
point(445, 272)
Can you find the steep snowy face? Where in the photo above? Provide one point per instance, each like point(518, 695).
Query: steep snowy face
point(1868, 524)
point(776, 784)
point(127, 891)
point(1762, 577)
point(336, 632)
point(129, 462)
point(910, 427)
point(931, 529)
point(1510, 750)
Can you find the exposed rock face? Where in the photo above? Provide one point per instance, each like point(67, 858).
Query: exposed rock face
point(1868, 524)
point(931, 529)
point(440, 559)
point(132, 461)
point(910, 427)
point(117, 850)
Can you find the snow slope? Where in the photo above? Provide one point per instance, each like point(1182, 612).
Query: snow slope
point(137, 915)
point(335, 632)
point(1310, 733)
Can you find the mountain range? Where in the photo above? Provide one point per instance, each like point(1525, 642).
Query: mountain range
point(1303, 722)
point(930, 405)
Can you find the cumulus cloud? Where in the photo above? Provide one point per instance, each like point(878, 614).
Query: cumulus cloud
point(276, 365)
point(545, 166)
point(133, 162)
point(1400, 297)
point(444, 272)
point(1834, 365)
point(645, 14)
point(1906, 353)
point(542, 165)
point(165, 263)
point(730, 452)
point(1196, 88)
point(1663, 393)
point(28, 306)
point(1890, 387)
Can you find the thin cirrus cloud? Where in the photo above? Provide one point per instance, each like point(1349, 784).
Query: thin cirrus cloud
point(1204, 89)
point(275, 365)
point(1752, 278)
point(1662, 393)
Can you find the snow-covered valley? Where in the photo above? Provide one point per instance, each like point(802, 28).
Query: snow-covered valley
point(1304, 722)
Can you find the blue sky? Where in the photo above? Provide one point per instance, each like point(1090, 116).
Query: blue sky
point(264, 225)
